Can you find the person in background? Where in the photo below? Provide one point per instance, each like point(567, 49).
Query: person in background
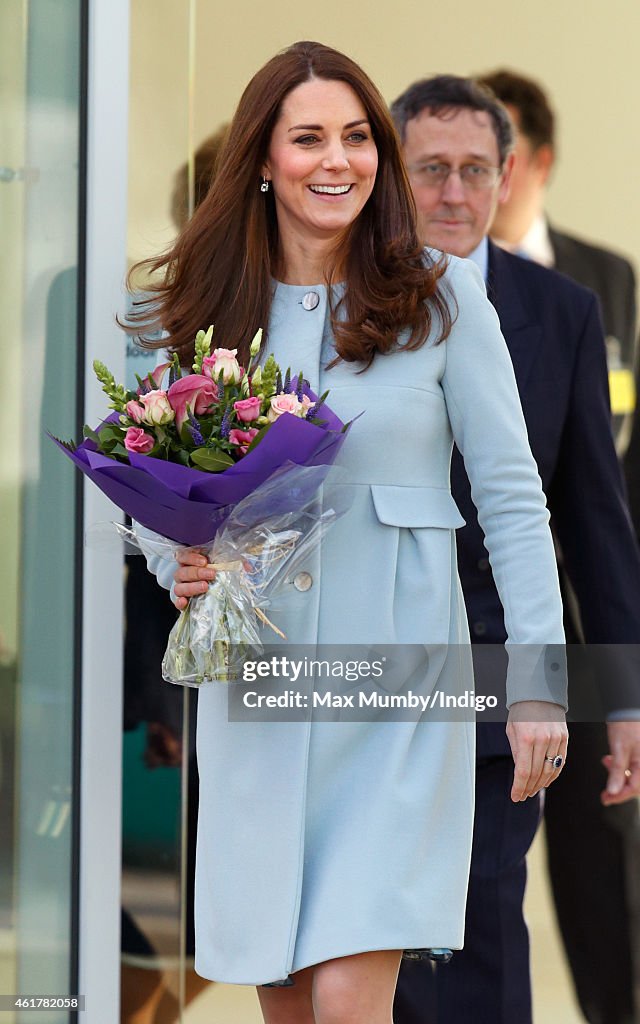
point(522, 226)
point(205, 161)
point(458, 145)
point(605, 911)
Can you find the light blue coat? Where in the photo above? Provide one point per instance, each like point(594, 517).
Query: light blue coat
point(318, 840)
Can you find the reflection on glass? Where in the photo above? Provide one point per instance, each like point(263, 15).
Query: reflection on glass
point(160, 788)
point(157, 935)
point(39, 144)
point(152, 900)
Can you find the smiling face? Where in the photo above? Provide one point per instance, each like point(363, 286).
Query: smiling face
point(321, 163)
point(453, 216)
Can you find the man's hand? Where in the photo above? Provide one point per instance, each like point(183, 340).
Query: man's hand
point(622, 763)
point(536, 730)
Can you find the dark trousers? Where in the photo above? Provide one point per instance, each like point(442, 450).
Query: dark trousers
point(593, 855)
point(488, 981)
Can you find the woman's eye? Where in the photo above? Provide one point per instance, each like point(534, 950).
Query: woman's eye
point(306, 140)
point(358, 137)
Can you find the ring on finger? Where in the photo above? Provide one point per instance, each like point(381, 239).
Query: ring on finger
point(556, 761)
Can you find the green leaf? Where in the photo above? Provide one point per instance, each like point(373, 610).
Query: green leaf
point(88, 431)
point(211, 461)
point(258, 437)
point(175, 366)
point(110, 432)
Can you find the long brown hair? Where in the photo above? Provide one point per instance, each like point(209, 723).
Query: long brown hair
point(219, 270)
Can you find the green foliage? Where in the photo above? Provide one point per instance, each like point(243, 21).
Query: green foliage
point(212, 452)
point(258, 437)
point(202, 348)
point(88, 432)
point(176, 369)
point(270, 372)
point(118, 395)
point(210, 460)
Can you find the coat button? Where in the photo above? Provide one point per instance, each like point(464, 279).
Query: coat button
point(303, 581)
point(479, 628)
point(310, 300)
point(483, 564)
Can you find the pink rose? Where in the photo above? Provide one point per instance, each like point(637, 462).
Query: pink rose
point(157, 410)
point(135, 440)
point(243, 438)
point(306, 405)
point(135, 412)
point(196, 391)
point(223, 360)
point(247, 409)
point(284, 403)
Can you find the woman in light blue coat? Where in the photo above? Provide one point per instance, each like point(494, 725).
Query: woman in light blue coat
point(325, 848)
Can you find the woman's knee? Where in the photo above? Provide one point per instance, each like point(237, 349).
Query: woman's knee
point(291, 1005)
point(357, 989)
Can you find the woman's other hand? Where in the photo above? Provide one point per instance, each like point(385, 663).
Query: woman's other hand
point(192, 577)
point(537, 732)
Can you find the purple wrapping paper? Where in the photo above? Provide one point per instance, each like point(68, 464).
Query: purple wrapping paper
point(188, 505)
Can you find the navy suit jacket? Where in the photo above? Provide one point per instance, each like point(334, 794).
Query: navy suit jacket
point(610, 276)
point(554, 334)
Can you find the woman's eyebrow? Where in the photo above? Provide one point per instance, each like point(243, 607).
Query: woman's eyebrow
point(318, 127)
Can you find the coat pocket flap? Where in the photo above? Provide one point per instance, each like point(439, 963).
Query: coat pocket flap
point(415, 506)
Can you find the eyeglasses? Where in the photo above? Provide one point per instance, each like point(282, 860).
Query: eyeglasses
point(474, 176)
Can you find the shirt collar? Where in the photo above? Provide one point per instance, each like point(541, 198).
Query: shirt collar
point(535, 245)
point(480, 256)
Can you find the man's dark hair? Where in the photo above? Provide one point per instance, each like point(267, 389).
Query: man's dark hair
point(537, 121)
point(444, 96)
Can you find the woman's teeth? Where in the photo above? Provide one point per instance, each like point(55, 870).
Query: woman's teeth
point(331, 190)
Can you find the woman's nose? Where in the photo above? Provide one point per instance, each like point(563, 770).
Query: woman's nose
point(336, 157)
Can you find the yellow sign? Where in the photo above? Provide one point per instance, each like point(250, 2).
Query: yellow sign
point(622, 391)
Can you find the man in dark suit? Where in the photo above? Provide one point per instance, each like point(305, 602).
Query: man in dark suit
point(458, 145)
point(520, 224)
point(612, 855)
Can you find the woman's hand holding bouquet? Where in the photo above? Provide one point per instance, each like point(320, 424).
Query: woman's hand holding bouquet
point(226, 460)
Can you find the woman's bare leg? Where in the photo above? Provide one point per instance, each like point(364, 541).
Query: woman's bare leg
point(356, 989)
point(291, 1005)
point(349, 990)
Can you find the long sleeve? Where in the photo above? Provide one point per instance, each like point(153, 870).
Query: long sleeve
point(489, 429)
point(592, 524)
point(158, 561)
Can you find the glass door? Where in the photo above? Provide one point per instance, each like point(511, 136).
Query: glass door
point(39, 182)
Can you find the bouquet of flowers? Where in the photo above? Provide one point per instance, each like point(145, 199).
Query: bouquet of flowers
point(194, 464)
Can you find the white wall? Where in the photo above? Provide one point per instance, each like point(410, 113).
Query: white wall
point(584, 51)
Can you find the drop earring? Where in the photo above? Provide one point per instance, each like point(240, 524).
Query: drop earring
point(265, 185)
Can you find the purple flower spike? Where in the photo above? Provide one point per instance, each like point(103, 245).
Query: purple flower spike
point(143, 385)
point(194, 429)
point(225, 426)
